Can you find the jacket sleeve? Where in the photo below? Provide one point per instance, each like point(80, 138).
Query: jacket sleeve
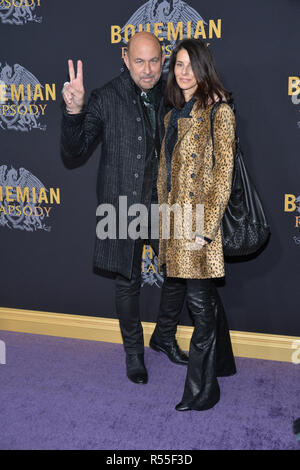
point(81, 132)
point(224, 146)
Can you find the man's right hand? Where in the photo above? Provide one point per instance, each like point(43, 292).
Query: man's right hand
point(73, 91)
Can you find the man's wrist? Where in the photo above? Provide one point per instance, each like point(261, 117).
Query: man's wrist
point(72, 111)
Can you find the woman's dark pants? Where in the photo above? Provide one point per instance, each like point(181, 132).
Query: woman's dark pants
point(210, 353)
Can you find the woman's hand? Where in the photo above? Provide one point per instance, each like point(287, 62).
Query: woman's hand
point(200, 241)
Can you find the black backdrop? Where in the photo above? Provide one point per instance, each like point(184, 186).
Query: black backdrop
point(51, 270)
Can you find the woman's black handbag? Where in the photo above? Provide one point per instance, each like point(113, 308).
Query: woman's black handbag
point(244, 226)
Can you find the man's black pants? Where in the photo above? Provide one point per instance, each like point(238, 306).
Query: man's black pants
point(128, 299)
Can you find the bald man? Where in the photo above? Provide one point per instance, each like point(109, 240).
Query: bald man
point(126, 116)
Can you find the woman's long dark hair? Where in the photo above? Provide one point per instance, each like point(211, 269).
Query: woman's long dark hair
point(204, 69)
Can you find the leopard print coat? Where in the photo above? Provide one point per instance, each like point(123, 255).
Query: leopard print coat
point(195, 180)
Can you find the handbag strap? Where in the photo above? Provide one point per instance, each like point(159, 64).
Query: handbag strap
point(212, 116)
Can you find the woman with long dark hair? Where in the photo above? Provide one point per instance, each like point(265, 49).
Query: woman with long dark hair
point(190, 174)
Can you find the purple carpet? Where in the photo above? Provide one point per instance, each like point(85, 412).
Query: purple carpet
point(59, 393)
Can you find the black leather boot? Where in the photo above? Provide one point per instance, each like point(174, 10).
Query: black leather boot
point(171, 303)
point(136, 370)
point(201, 390)
point(171, 349)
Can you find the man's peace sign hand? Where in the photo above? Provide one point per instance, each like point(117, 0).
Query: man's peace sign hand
point(73, 91)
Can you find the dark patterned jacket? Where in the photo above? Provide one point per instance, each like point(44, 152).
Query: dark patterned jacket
point(114, 116)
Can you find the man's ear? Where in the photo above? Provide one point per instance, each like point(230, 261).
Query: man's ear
point(163, 59)
point(126, 60)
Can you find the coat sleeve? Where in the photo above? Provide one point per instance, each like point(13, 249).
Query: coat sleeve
point(80, 133)
point(224, 146)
